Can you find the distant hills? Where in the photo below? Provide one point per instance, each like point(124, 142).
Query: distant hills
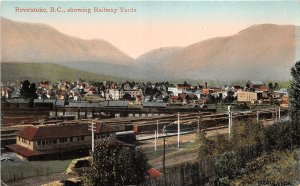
point(40, 43)
point(258, 52)
point(264, 52)
point(47, 71)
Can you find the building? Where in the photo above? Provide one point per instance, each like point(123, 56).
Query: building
point(285, 101)
point(198, 93)
point(35, 142)
point(254, 84)
point(175, 90)
point(114, 104)
point(154, 105)
point(183, 86)
point(245, 96)
point(134, 93)
point(116, 94)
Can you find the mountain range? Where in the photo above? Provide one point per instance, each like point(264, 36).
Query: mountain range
point(264, 52)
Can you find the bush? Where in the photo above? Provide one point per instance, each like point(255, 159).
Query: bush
point(245, 134)
point(228, 165)
point(278, 136)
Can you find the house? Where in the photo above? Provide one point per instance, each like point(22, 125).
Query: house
point(175, 90)
point(263, 88)
point(285, 101)
point(198, 93)
point(212, 90)
point(282, 92)
point(176, 99)
point(35, 142)
point(254, 84)
point(183, 86)
point(116, 94)
point(134, 92)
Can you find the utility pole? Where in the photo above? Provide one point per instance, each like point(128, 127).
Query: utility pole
point(257, 116)
point(157, 127)
point(164, 155)
point(93, 129)
point(155, 140)
point(178, 132)
point(279, 114)
point(229, 119)
point(198, 129)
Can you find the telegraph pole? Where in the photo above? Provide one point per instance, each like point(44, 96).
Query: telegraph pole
point(229, 119)
point(198, 129)
point(93, 128)
point(155, 138)
point(257, 116)
point(164, 155)
point(279, 114)
point(157, 126)
point(178, 132)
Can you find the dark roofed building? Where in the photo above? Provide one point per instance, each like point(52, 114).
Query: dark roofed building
point(43, 140)
point(18, 103)
point(83, 104)
point(114, 103)
point(154, 104)
point(44, 103)
point(254, 84)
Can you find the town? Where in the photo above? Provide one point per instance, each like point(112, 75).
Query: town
point(137, 94)
point(52, 120)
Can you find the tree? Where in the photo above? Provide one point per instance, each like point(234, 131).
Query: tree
point(206, 147)
point(228, 165)
point(270, 86)
point(115, 164)
point(278, 136)
point(276, 86)
point(32, 91)
point(25, 89)
point(28, 91)
point(294, 103)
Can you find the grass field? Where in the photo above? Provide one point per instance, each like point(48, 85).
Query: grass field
point(24, 169)
point(283, 171)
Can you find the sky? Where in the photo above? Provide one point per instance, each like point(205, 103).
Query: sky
point(155, 24)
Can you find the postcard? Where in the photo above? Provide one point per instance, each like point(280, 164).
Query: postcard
point(150, 92)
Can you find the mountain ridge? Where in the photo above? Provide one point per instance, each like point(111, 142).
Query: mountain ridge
point(51, 45)
point(261, 51)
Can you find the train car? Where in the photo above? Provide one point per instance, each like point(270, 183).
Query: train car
point(127, 137)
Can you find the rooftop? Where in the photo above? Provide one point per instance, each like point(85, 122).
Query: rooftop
point(61, 131)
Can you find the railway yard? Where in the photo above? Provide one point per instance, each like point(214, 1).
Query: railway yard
point(143, 125)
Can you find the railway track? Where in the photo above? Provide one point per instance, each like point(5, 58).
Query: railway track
point(149, 124)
